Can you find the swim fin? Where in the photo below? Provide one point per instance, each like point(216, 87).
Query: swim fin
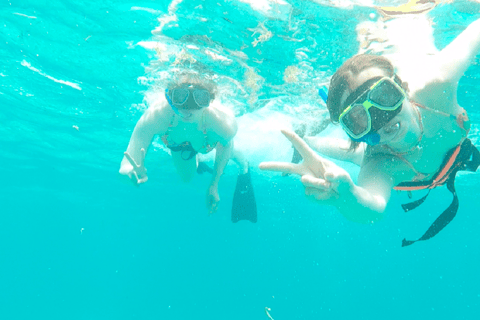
point(244, 206)
point(203, 167)
point(297, 157)
point(301, 131)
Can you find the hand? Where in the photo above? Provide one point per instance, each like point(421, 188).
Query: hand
point(212, 199)
point(323, 179)
point(138, 174)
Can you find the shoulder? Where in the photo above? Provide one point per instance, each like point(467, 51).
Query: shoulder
point(159, 109)
point(157, 116)
point(221, 121)
point(383, 168)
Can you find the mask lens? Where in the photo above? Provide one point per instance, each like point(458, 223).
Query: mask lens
point(180, 96)
point(386, 95)
point(382, 117)
point(201, 97)
point(356, 120)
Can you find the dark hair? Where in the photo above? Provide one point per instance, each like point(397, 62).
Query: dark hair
point(341, 82)
point(195, 79)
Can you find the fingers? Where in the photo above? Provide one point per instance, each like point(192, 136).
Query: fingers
point(285, 167)
point(134, 178)
point(143, 152)
point(213, 208)
point(319, 189)
point(313, 193)
point(315, 183)
point(130, 159)
point(300, 144)
point(212, 204)
point(142, 180)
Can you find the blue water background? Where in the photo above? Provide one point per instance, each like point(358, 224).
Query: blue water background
point(78, 243)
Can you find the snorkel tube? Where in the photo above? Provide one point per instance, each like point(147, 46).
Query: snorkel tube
point(175, 109)
point(323, 93)
point(371, 139)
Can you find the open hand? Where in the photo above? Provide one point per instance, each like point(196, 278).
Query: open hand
point(323, 179)
point(212, 199)
point(139, 173)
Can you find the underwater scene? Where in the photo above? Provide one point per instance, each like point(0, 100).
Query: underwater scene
point(80, 241)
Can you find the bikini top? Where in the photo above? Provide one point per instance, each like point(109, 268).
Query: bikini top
point(463, 157)
point(461, 120)
point(186, 148)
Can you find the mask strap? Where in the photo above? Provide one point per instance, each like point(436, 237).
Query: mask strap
point(168, 98)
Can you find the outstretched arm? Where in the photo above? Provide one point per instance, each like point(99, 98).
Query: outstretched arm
point(223, 153)
point(327, 183)
point(338, 149)
point(455, 58)
point(435, 85)
point(151, 122)
point(223, 126)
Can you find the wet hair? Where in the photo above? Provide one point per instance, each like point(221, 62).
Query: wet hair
point(195, 79)
point(342, 80)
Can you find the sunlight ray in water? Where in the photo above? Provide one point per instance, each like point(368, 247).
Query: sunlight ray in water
point(68, 83)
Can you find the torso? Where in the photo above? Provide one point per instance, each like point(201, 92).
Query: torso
point(441, 134)
point(196, 133)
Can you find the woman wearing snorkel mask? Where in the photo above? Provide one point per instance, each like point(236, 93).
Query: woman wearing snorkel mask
point(415, 135)
point(189, 121)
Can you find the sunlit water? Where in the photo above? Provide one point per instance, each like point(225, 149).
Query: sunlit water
point(78, 243)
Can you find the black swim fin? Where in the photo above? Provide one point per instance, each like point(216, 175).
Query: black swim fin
point(203, 167)
point(301, 131)
point(297, 157)
point(244, 206)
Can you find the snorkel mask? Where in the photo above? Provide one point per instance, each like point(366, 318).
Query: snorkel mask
point(178, 97)
point(377, 104)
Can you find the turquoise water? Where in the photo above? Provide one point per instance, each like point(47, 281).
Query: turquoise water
point(78, 243)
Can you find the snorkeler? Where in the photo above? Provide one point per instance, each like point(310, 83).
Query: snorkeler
point(189, 122)
point(415, 135)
